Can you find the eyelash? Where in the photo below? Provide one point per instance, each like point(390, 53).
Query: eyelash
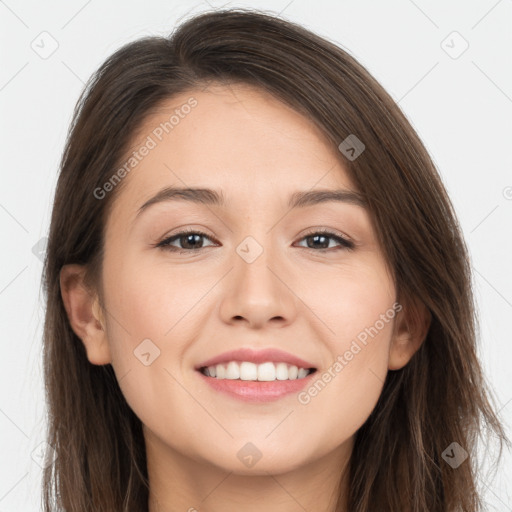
point(164, 244)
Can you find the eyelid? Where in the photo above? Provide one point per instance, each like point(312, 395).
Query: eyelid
point(329, 231)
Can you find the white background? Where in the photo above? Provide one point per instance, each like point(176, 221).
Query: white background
point(461, 108)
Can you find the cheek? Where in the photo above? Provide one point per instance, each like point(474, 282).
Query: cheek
point(357, 314)
point(342, 395)
point(151, 320)
point(145, 334)
point(150, 301)
point(350, 299)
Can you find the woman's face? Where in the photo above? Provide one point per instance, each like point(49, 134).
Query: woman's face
point(259, 280)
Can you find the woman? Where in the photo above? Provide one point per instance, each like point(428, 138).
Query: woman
point(258, 293)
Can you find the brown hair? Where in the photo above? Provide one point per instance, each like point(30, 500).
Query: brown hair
point(438, 398)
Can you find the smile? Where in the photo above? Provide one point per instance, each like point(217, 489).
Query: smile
point(247, 371)
point(256, 391)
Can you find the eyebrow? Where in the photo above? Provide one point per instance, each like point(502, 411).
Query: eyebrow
point(212, 197)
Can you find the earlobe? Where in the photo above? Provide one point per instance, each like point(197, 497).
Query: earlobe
point(411, 328)
point(84, 313)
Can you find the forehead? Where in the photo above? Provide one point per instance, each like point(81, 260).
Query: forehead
point(239, 139)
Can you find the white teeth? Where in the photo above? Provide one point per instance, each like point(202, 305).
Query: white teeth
point(256, 372)
point(281, 371)
point(220, 371)
point(302, 373)
point(233, 370)
point(248, 371)
point(266, 371)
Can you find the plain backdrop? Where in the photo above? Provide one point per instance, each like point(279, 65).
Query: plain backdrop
point(447, 64)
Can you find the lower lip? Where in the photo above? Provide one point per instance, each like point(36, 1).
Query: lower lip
point(257, 391)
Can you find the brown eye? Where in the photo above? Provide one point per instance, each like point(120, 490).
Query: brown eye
point(321, 240)
point(189, 241)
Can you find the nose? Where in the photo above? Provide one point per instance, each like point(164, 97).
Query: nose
point(258, 293)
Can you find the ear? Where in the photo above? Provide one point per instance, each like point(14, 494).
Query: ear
point(411, 328)
point(84, 313)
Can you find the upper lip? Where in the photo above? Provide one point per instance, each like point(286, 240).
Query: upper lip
point(256, 356)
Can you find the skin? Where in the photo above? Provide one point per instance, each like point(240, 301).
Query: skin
point(196, 305)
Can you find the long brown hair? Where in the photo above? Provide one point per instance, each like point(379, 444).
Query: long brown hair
point(438, 398)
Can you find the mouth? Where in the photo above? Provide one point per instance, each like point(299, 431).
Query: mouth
point(245, 384)
point(256, 376)
point(249, 364)
point(252, 372)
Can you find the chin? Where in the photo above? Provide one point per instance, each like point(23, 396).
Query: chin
point(253, 459)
